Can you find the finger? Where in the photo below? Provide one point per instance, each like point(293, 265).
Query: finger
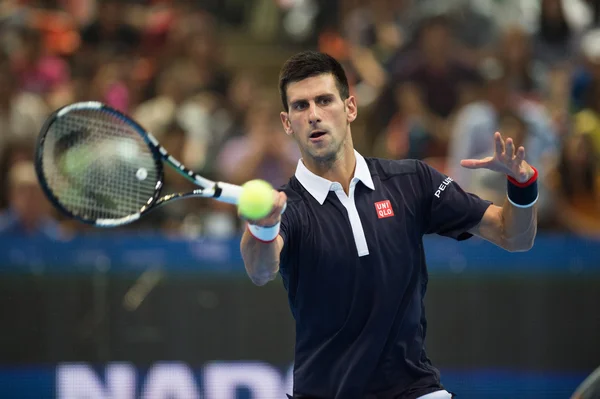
point(499, 143)
point(509, 149)
point(521, 154)
point(475, 163)
point(280, 203)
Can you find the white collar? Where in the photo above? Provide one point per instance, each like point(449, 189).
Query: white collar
point(319, 187)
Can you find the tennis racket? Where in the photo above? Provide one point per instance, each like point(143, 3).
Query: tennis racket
point(100, 167)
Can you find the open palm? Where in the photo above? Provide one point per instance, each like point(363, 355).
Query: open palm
point(504, 160)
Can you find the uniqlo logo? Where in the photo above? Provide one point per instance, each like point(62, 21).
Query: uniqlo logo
point(384, 209)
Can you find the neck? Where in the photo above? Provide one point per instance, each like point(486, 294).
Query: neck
point(340, 169)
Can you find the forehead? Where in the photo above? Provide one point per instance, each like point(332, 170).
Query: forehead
point(311, 87)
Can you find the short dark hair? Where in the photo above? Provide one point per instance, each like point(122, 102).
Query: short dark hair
point(307, 64)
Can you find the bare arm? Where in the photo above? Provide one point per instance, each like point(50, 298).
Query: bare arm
point(261, 259)
point(510, 227)
point(368, 67)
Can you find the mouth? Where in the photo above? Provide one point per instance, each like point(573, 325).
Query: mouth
point(316, 134)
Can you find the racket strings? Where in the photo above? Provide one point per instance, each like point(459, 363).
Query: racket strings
point(98, 166)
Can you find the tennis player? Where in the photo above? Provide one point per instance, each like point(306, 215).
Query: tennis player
point(349, 245)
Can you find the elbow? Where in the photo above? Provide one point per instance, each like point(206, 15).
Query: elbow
point(261, 279)
point(261, 275)
point(259, 282)
point(520, 247)
point(523, 244)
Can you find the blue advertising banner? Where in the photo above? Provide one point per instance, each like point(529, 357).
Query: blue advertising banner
point(129, 253)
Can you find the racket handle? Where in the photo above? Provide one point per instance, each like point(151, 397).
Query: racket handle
point(230, 193)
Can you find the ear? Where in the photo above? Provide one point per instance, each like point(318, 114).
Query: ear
point(352, 109)
point(285, 121)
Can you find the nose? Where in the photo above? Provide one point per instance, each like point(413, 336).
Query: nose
point(313, 116)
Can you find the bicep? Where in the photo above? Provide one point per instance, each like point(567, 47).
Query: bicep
point(490, 226)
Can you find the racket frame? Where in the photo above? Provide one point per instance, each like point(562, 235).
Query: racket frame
point(223, 192)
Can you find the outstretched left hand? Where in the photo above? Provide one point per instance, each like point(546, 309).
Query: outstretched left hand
point(504, 160)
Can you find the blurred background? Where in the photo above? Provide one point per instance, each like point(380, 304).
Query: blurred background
point(163, 308)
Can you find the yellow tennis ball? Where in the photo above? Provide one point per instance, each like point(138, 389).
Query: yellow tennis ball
point(256, 200)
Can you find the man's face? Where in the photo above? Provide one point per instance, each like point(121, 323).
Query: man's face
point(318, 119)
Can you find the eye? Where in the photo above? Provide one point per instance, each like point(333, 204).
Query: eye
point(325, 101)
point(299, 106)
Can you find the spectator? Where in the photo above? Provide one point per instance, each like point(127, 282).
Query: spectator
point(554, 42)
point(432, 88)
point(109, 86)
point(515, 54)
point(264, 152)
point(203, 50)
point(587, 75)
point(38, 71)
point(240, 97)
point(375, 32)
point(28, 212)
point(578, 183)
point(440, 79)
point(556, 98)
point(22, 113)
point(14, 151)
point(475, 31)
point(110, 32)
point(174, 85)
point(587, 123)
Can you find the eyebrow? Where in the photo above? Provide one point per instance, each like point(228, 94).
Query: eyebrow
point(317, 97)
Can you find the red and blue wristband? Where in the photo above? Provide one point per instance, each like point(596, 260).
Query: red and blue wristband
point(523, 195)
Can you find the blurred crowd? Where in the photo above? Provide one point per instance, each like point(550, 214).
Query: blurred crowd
point(434, 80)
